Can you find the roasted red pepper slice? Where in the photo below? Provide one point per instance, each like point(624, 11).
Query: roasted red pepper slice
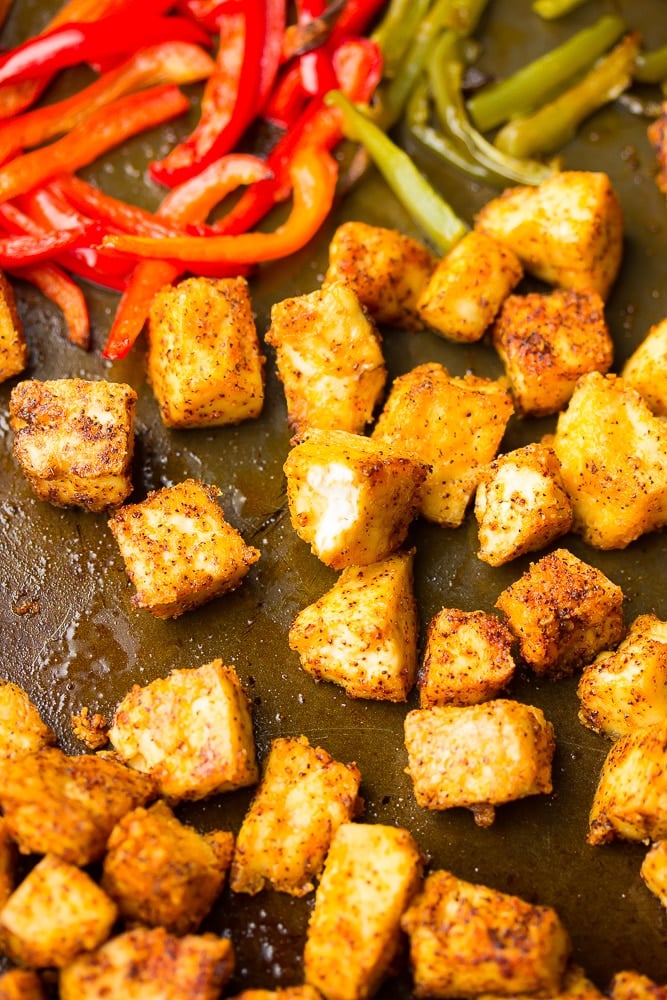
point(116, 214)
point(17, 251)
point(57, 286)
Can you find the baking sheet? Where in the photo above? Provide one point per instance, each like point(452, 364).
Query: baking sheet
point(69, 635)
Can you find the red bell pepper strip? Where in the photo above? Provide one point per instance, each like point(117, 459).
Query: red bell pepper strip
point(287, 100)
point(316, 67)
point(116, 214)
point(17, 251)
point(57, 286)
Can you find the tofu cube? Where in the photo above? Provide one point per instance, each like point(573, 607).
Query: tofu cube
point(521, 504)
point(13, 346)
point(362, 634)
point(56, 913)
point(654, 870)
point(387, 270)
point(613, 456)
point(21, 984)
point(630, 985)
point(657, 136)
point(204, 361)
point(563, 612)
point(329, 359)
point(467, 658)
point(467, 940)
point(178, 549)
point(22, 729)
point(350, 498)
point(371, 873)
point(305, 992)
point(7, 863)
point(646, 369)
point(190, 731)
point(303, 797)
point(162, 872)
point(74, 440)
point(627, 688)
point(452, 425)
point(478, 756)
point(568, 231)
point(468, 287)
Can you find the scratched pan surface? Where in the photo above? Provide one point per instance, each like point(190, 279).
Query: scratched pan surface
point(70, 637)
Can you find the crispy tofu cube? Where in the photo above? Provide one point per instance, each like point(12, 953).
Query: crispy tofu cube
point(178, 549)
point(7, 863)
point(521, 504)
point(654, 870)
point(191, 732)
point(387, 270)
point(563, 613)
point(329, 359)
point(630, 985)
point(13, 346)
point(546, 342)
point(575, 986)
point(453, 425)
point(130, 965)
point(646, 369)
point(371, 873)
point(362, 634)
point(22, 729)
point(627, 688)
point(305, 992)
point(657, 136)
point(630, 801)
point(350, 498)
point(303, 798)
point(67, 806)
point(204, 361)
point(613, 456)
point(162, 872)
point(467, 939)
point(74, 440)
point(568, 231)
point(467, 658)
point(478, 756)
point(468, 287)
point(21, 984)
point(56, 913)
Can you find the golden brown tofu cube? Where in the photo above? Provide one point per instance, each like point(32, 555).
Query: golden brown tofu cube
point(7, 863)
point(56, 913)
point(613, 456)
point(646, 369)
point(13, 347)
point(178, 549)
point(67, 806)
point(654, 870)
point(204, 361)
point(329, 359)
point(521, 504)
point(546, 342)
point(162, 872)
point(478, 756)
point(467, 658)
point(191, 732)
point(563, 612)
point(630, 985)
point(282, 993)
point(74, 440)
point(657, 136)
point(303, 798)
point(568, 231)
point(350, 498)
point(21, 984)
point(371, 873)
point(468, 287)
point(387, 270)
point(22, 729)
point(467, 939)
point(362, 634)
point(194, 967)
point(630, 801)
point(575, 986)
point(453, 425)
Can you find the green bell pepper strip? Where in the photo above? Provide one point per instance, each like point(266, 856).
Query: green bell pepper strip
point(443, 146)
point(550, 10)
point(396, 30)
point(651, 67)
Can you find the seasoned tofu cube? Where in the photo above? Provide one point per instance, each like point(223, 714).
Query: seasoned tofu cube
point(468, 939)
point(13, 346)
point(362, 634)
point(453, 425)
point(305, 992)
point(613, 456)
point(178, 549)
point(627, 688)
point(149, 962)
point(575, 986)
point(162, 872)
point(563, 612)
point(654, 870)
point(303, 798)
point(329, 359)
point(74, 440)
point(22, 729)
point(546, 342)
point(468, 287)
point(21, 984)
point(204, 361)
point(521, 504)
point(67, 806)
point(467, 658)
point(630, 985)
point(646, 369)
point(568, 231)
point(371, 873)
point(190, 731)
point(350, 498)
point(478, 756)
point(56, 913)
point(387, 270)
point(7, 863)
point(657, 136)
